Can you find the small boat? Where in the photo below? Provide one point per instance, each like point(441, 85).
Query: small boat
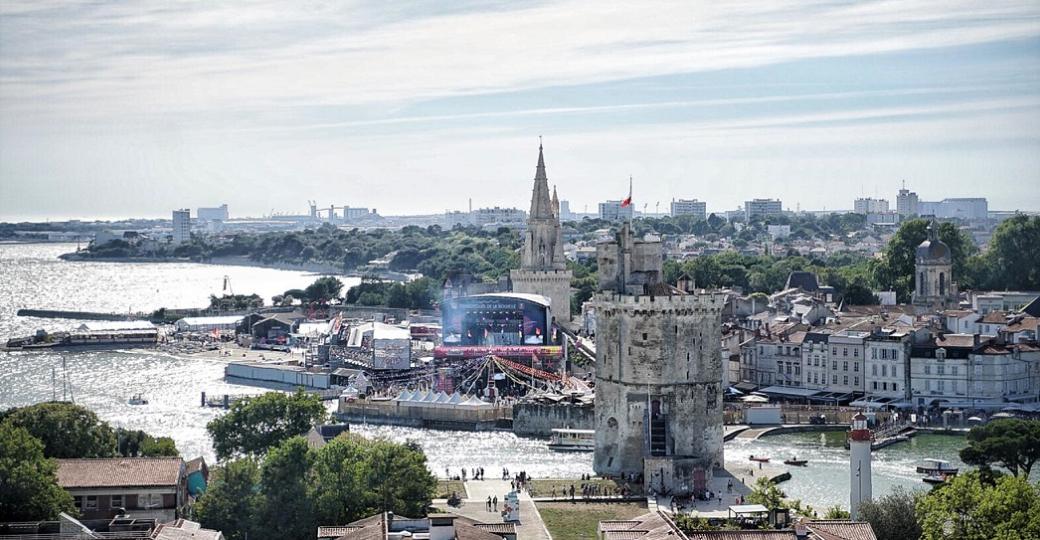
point(136, 399)
point(573, 440)
point(759, 459)
point(936, 466)
point(796, 462)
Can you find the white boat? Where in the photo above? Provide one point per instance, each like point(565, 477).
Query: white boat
point(573, 440)
point(136, 399)
point(936, 467)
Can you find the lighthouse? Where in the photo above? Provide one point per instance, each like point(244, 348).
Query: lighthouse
point(860, 438)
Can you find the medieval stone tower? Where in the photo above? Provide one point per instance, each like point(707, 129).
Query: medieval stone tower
point(659, 372)
point(543, 269)
point(934, 288)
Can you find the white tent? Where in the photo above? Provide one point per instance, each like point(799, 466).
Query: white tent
point(430, 397)
point(455, 399)
point(474, 401)
point(405, 395)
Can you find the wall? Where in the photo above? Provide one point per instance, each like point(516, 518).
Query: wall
point(539, 419)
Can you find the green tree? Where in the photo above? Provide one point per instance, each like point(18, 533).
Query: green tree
point(284, 478)
point(892, 515)
point(398, 476)
point(766, 493)
point(67, 430)
point(1011, 443)
point(134, 443)
point(966, 508)
point(232, 500)
point(1014, 254)
point(323, 290)
point(29, 488)
point(836, 512)
point(339, 488)
point(255, 425)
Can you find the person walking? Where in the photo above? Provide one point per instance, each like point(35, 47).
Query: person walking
point(489, 503)
point(495, 503)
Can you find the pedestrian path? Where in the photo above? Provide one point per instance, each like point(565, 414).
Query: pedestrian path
point(531, 526)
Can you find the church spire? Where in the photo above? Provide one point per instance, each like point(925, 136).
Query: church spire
point(541, 204)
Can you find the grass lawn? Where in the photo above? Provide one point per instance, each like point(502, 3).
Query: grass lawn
point(579, 521)
point(445, 487)
point(544, 487)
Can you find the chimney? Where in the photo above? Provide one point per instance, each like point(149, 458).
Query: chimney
point(975, 340)
point(442, 527)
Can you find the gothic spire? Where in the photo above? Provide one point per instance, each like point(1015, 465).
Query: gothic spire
point(541, 205)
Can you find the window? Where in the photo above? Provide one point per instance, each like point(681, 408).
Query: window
point(855, 381)
point(644, 336)
point(90, 503)
point(927, 369)
point(855, 353)
point(942, 385)
point(77, 502)
point(845, 365)
point(873, 370)
point(884, 386)
point(834, 365)
point(844, 351)
point(834, 379)
point(875, 385)
point(117, 501)
point(953, 370)
point(942, 370)
point(834, 351)
point(855, 367)
point(895, 387)
point(845, 380)
point(873, 353)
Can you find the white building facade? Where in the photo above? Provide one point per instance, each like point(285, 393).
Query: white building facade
point(689, 207)
point(181, 226)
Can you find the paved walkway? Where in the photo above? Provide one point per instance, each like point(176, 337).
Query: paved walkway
point(530, 527)
point(737, 480)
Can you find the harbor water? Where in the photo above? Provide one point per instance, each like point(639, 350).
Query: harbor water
point(33, 277)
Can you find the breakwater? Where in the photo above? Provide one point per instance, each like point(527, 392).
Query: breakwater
point(539, 419)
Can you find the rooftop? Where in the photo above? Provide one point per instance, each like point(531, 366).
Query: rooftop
point(119, 472)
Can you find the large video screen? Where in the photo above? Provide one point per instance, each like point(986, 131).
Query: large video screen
point(494, 321)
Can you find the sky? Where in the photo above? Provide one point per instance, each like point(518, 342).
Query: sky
point(131, 109)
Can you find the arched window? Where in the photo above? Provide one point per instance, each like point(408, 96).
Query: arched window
point(920, 284)
point(942, 284)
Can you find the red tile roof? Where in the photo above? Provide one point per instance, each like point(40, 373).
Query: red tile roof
point(119, 472)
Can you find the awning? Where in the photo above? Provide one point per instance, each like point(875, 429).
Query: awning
point(748, 509)
point(745, 386)
point(789, 391)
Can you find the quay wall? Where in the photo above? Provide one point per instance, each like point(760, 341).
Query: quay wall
point(278, 374)
point(539, 419)
point(395, 413)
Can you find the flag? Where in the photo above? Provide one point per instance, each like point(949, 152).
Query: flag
point(628, 201)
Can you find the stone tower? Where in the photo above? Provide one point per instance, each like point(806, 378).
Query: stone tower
point(543, 269)
point(658, 372)
point(934, 288)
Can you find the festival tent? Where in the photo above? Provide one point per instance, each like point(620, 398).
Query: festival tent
point(456, 399)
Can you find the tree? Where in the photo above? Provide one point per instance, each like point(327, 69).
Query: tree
point(255, 425)
point(134, 443)
point(66, 430)
point(232, 500)
point(29, 488)
point(966, 508)
point(1014, 254)
point(354, 477)
point(836, 512)
point(284, 478)
point(323, 290)
point(1011, 443)
point(892, 515)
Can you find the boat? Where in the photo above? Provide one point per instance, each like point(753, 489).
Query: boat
point(573, 440)
point(796, 462)
point(933, 466)
point(136, 399)
point(759, 459)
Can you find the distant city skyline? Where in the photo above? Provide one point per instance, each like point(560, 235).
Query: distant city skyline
point(116, 110)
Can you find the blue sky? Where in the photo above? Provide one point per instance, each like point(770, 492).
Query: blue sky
point(131, 109)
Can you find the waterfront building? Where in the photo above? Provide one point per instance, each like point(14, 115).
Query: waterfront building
point(867, 205)
point(614, 211)
point(219, 213)
point(973, 371)
point(659, 371)
point(146, 487)
point(887, 365)
point(934, 288)
point(848, 353)
point(860, 441)
point(543, 268)
point(906, 202)
point(689, 207)
point(762, 207)
point(181, 226)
